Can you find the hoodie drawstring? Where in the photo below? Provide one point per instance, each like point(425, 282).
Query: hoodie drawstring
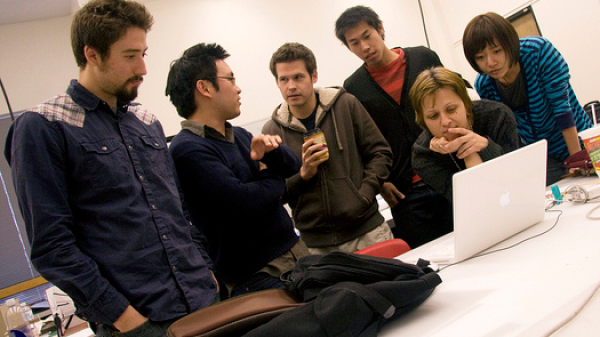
point(337, 133)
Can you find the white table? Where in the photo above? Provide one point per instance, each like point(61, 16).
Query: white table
point(533, 289)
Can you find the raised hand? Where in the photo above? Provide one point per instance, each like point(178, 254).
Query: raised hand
point(262, 144)
point(464, 144)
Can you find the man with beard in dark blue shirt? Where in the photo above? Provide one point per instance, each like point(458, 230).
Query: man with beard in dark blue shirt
point(98, 191)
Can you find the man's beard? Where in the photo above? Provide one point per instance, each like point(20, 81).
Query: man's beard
point(125, 95)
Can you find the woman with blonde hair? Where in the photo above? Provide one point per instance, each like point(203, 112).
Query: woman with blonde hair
point(457, 133)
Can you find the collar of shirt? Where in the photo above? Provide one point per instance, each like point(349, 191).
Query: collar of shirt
point(204, 130)
point(90, 102)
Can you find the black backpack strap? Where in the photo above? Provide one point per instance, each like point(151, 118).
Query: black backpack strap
point(349, 309)
point(310, 294)
point(375, 300)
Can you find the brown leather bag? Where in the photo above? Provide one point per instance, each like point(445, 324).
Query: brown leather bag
point(235, 316)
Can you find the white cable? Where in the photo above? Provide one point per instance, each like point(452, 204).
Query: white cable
point(577, 194)
point(560, 212)
point(567, 320)
point(589, 213)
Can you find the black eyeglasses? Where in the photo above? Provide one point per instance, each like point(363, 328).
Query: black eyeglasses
point(229, 78)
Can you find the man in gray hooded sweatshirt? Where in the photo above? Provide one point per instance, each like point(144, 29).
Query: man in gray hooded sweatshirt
point(333, 197)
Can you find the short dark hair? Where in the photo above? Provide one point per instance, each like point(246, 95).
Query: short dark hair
point(100, 23)
point(196, 63)
point(431, 80)
point(292, 51)
point(351, 17)
point(484, 30)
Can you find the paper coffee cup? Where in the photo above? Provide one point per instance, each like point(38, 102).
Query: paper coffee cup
point(591, 142)
point(318, 138)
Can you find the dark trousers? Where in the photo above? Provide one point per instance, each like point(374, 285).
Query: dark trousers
point(424, 215)
point(256, 282)
point(148, 329)
point(555, 169)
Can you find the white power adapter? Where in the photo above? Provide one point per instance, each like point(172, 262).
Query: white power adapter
point(593, 191)
point(579, 193)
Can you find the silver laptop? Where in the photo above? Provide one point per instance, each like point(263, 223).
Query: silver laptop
point(493, 201)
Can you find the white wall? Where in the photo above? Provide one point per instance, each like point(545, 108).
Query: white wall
point(570, 25)
point(36, 60)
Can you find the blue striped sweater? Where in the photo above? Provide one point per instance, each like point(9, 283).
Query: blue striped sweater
point(552, 104)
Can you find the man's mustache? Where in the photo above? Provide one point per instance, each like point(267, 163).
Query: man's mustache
point(136, 78)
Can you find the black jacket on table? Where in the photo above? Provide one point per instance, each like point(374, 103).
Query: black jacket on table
point(395, 121)
point(492, 120)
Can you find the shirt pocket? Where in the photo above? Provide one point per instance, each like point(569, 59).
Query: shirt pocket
point(154, 142)
point(104, 163)
point(156, 152)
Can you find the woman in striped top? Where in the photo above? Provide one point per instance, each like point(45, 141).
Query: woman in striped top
point(532, 78)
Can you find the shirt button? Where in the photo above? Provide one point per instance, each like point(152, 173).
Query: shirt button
point(153, 206)
point(173, 268)
point(156, 144)
point(130, 147)
point(164, 236)
point(104, 148)
point(141, 177)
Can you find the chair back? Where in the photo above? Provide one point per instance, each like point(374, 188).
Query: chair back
point(390, 249)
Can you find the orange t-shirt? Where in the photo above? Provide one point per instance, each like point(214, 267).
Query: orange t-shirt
point(391, 77)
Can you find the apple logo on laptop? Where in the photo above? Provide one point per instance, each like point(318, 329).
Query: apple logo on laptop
point(505, 199)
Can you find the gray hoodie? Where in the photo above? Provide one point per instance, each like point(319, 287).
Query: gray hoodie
point(332, 208)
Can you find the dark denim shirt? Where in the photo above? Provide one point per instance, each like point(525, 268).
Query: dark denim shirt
point(103, 211)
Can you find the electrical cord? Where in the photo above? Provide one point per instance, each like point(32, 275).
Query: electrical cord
point(576, 189)
point(560, 212)
point(572, 193)
point(577, 194)
point(567, 320)
point(589, 213)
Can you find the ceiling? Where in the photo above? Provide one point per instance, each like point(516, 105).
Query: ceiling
point(16, 11)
